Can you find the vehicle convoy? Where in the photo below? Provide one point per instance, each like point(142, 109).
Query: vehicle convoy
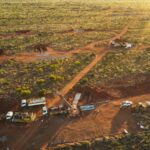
point(23, 117)
point(33, 102)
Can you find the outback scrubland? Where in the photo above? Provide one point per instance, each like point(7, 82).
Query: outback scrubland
point(65, 45)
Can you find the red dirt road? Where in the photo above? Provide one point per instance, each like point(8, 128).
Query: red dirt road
point(78, 77)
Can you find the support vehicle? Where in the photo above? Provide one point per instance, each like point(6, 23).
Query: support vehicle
point(126, 104)
point(44, 110)
point(22, 117)
point(33, 102)
point(57, 110)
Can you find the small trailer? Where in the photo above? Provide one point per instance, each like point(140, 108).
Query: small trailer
point(33, 102)
point(87, 107)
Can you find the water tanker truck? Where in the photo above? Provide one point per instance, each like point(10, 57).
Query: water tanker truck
point(33, 102)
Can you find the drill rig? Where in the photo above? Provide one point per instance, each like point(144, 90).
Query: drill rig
point(72, 108)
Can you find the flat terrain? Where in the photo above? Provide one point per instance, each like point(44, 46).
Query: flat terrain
point(51, 46)
point(67, 26)
point(105, 120)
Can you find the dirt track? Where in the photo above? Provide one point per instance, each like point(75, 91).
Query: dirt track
point(17, 33)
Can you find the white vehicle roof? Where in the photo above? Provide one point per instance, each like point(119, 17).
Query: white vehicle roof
point(128, 45)
point(142, 127)
point(127, 102)
point(125, 131)
point(44, 108)
point(23, 100)
point(148, 103)
point(9, 113)
point(61, 106)
point(77, 97)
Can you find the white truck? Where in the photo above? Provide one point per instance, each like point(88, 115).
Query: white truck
point(126, 104)
point(33, 102)
point(23, 117)
point(44, 110)
point(9, 115)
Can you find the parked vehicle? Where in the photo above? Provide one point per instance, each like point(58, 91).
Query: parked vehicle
point(87, 107)
point(148, 103)
point(33, 102)
point(57, 110)
point(126, 104)
point(44, 110)
point(23, 117)
point(9, 115)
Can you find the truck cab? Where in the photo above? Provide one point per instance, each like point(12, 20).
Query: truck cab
point(23, 103)
point(9, 115)
point(44, 110)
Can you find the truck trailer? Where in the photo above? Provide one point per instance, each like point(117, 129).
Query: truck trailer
point(87, 107)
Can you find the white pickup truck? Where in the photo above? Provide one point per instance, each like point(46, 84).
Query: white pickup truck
point(126, 104)
point(33, 102)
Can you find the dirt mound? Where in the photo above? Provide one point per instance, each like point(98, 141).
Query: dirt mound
point(1, 52)
point(40, 47)
point(132, 85)
point(127, 86)
point(23, 31)
point(96, 94)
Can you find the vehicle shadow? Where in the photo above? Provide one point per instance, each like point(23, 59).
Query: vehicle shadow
point(47, 132)
point(123, 120)
point(138, 84)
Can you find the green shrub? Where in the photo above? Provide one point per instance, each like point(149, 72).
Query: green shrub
point(23, 91)
point(39, 70)
point(4, 81)
point(2, 92)
point(42, 92)
point(76, 63)
point(54, 77)
point(40, 81)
